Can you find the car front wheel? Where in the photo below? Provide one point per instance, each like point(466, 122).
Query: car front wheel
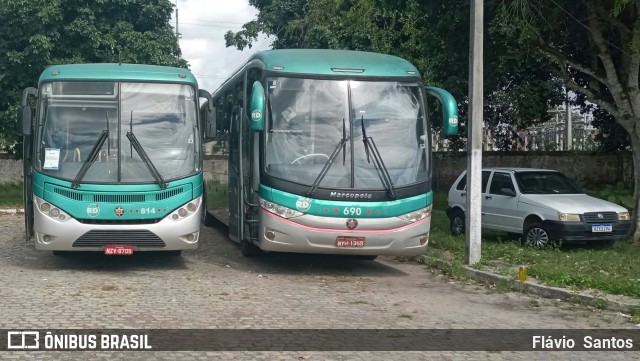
point(457, 223)
point(536, 236)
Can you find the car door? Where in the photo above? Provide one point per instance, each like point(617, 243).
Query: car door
point(458, 194)
point(500, 204)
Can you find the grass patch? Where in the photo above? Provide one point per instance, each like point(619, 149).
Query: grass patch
point(11, 195)
point(610, 269)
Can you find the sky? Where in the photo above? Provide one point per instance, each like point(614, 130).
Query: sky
point(202, 25)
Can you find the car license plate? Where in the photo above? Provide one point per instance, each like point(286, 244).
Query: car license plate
point(601, 228)
point(118, 250)
point(350, 242)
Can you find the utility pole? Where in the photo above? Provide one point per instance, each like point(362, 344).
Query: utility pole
point(569, 141)
point(473, 234)
point(177, 32)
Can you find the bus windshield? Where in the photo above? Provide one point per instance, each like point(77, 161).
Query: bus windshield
point(305, 125)
point(74, 115)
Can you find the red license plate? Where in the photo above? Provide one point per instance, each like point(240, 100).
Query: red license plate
point(350, 242)
point(118, 250)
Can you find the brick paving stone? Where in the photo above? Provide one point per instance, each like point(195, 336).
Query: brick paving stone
point(214, 287)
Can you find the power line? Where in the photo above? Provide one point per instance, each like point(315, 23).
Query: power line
point(588, 29)
point(214, 22)
point(208, 25)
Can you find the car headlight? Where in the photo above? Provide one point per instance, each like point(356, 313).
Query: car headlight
point(186, 209)
point(568, 217)
point(278, 209)
point(623, 216)
point(418, 215)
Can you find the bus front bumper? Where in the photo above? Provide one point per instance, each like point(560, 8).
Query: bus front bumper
point(72, 235)
point(282, 235)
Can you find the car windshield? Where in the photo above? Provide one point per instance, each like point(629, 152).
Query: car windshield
point(309, 118)
point(74, 115)
point(545, 183)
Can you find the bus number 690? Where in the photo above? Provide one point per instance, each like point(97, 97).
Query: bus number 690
point(352, 211)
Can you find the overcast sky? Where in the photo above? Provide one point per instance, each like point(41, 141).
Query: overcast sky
point(202, 25)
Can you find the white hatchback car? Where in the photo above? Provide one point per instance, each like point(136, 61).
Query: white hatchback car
point(541, 205)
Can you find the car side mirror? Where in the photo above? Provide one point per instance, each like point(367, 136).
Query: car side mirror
point(257, 106)
point(507, 192)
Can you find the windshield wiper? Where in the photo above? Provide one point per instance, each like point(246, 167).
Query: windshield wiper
point(371, 150)
point(342, 144)
point(145, 158)
point(90, 159)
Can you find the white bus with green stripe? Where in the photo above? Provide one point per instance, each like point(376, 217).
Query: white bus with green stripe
point(329, 152)
point(113, 159)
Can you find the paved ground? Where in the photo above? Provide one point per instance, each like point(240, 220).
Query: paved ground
point(215, 287)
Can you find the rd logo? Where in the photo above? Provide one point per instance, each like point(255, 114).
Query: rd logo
point(303, 204)
point(93, 210)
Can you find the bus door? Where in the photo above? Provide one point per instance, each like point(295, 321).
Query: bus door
point(235, 190)
point(25, 127)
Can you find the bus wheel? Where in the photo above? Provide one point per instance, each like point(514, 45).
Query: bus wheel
point(367, 257)
point(249, 249)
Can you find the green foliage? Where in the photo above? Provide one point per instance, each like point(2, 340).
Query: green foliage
point(618, 193)
point(35, 34)
point(433, 35)
point(11, 195)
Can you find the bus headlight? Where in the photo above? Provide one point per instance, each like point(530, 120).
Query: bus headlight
point(186, 209)
point(51, 211)
point(418, 215)
point(279, 210)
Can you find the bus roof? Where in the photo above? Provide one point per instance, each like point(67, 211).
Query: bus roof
point(113, 71)
point(335, 62)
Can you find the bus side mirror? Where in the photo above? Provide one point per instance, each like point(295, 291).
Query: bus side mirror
point(205, 94)
point(23, 126)
point(210, 124)
point(257, 106)
point(449, 109)
point(207, 115)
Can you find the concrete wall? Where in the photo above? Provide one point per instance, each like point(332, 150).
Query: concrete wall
point(215, 169)
point(591, 170)
point(10, 170)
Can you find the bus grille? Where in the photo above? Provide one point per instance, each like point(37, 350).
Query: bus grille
point(598, 217)
point(168, 194)
point(99, 237)
point(118, 198)
point(119, 221)
point(76, 196)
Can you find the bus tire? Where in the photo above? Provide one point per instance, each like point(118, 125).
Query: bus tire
point(248, 249)
point(207, 219)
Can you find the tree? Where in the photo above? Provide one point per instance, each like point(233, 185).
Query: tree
point(594, 45)
point(433, 35)
point(35, 34)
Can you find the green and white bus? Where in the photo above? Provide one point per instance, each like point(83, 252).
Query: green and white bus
point(113, 159)
point(329, 152)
